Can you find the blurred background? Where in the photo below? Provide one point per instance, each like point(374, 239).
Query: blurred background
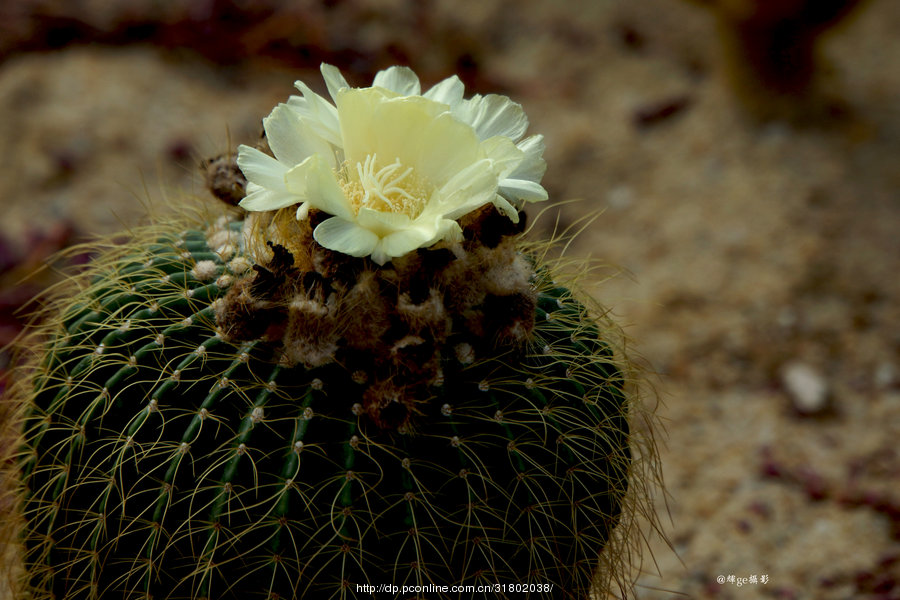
point(745, 155)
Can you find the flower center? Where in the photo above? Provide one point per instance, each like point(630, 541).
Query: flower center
point(392, 188)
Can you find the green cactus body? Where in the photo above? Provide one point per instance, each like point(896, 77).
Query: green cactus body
point(166, 459)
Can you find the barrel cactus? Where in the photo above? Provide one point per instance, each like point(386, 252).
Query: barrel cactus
point(359, 381)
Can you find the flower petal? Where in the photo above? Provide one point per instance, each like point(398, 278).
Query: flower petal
point(324, 191)
point(445, 147)
point(403, 242)
point(469, 189)
point(318, 113)
point(533, 165)
point(260, 168)
point(505, 155)
point(345, 236)
point(333, 80)
point(259, 198)
point(389, 127)
point(493, 115)
point(449, 91)
point(382, 223)
point(506, 208)
point(292, 140)
point(523, 189)
point(398, 79)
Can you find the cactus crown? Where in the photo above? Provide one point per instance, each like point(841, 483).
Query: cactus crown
point(389, 326)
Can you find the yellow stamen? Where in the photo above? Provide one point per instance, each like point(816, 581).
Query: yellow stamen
point(389, 189)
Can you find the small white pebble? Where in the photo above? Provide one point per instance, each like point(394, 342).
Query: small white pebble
point(806, 387)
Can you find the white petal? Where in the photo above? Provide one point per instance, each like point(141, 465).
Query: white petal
point(324, 192)
point(504, 206)
point(523, 189)
point(533, 165)
point(469, 189)
point(403, 242)
point(295, 178)
point(398, 79)
point(382, 223)
point(333, 80)
point(390, 127)
point(493, 115)
point(445, 147)
point(260, 198)
point(449, 91)
point(261, 169)
point(291, 139)
point(503, 153)
point(345, 236)
point(318, 113)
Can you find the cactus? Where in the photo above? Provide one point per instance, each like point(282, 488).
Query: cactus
point(226, 408)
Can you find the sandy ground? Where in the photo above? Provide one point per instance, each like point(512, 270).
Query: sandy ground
point(755, 267)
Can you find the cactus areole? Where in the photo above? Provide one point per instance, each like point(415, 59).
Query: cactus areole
point(359, 378)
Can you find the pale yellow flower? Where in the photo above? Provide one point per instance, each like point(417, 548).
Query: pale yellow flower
point(394, 167)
